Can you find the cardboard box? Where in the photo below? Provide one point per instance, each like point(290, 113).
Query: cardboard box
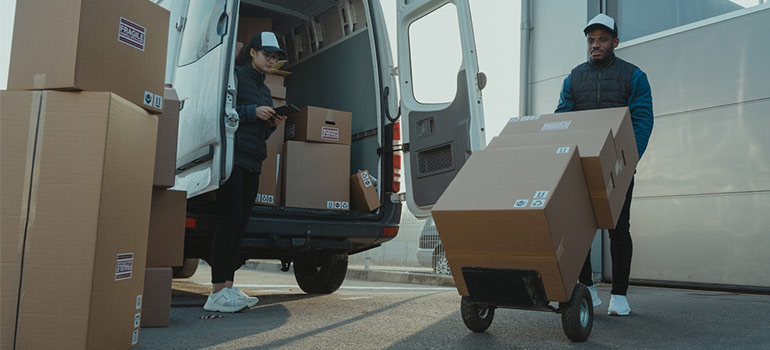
point(523, 208)
point(318, 124)
point(165, 154)
point(278, 102)
point(248, 26)
point(165, 242)
point(277, 137)
point(597, 154)
point(84, 167)
point(316, 175)
point(117, 46)
point(270, 178)
point(277, 91)
point(274, 79)
point(363, 195)
point(617, 119)
point(156, 298)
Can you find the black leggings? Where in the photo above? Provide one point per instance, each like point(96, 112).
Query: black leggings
point(621, 249)
point(235, 199)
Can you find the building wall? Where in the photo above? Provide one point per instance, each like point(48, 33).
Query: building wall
point(700, 209)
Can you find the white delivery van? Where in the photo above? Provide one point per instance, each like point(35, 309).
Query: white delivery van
point(340, 58)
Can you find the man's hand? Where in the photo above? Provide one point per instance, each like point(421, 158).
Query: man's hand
point(265, 113)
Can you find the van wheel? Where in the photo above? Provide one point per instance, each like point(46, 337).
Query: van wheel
point(476, 317)
point(321, 274)
point(187, 269)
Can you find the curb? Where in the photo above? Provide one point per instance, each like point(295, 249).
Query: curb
point(368, 275)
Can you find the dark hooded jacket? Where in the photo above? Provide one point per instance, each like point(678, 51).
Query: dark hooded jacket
point(250, 147)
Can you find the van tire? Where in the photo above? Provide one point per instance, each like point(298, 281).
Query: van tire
point(188, 268)
point(321, 274)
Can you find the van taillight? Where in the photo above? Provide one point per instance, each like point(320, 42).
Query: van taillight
point(190, 223)
point(390, 231)
point(397, 158)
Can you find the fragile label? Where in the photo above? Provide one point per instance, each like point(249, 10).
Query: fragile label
point(520, 203)
point(330, 133)
point(541, 195)
point(538, 203)
point(561, 150)
point(560, 125)
point(124, 266)
point(336, 205)
point(135, 337)
point(131, 34)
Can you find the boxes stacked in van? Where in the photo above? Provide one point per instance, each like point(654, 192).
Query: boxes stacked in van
point(535, 197)
point(79, 130)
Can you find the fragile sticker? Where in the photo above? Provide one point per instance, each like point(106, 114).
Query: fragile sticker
point(124, 266)
point(521, 203)
point(330, 133)
point(132, 34)
point(561, 150)
point(560, 125)
point(538, 203)
point(541, 195)
point(135, 337)
point(149, 97)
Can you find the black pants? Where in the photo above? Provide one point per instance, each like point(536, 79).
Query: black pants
point(235, 199)
point(621, 249)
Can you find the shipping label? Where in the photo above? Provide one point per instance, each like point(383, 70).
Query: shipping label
point(367, 183)
point(149, 97)
point(562, 150)
point(132, 34)
point(135, 337)
point(336, 205)
point(330, 133)
point(138, 301)
point(560, 125)
point(137, 319)
point(541, 195)
point(537, 203)
point(520, 203)
point(124, 266)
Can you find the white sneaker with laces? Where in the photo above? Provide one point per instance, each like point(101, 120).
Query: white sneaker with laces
point(618, 306)
point(224, 301)
point(594, 295)
point(250, 301)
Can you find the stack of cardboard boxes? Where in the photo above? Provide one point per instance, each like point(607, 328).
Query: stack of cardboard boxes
point(77, 171)
point(534, 198)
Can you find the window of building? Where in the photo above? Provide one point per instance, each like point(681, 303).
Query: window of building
point(637, 18)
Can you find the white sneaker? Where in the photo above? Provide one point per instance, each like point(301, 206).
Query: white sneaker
point(618, 306)
point(594, 295)
point(224, 301)
point(250, 301)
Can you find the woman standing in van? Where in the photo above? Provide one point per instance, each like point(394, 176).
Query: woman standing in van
point(236, 196)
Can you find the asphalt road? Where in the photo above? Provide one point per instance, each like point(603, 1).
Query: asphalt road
point(379, 315)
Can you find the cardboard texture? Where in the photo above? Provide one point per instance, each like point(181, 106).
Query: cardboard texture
point(165, 154)
point(318, 124)
point(316, 175)
point(277, 137)
point(597, 154)
point(117, 46)
point(85, 217)
point(523, 208)
point(248, 26)
point(617, 119)
point(276, 91)
point(165, 242)
point(363, 195)
point(270, 179)
point(278, 103)
point(156, 300)
point(274, 79)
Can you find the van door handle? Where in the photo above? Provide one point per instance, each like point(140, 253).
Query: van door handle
point(222, 24)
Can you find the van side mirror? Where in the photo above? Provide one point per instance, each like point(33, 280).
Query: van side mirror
point(482, 79)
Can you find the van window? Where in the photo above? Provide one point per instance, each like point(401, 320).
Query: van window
point(436, 54)
point(203, 31)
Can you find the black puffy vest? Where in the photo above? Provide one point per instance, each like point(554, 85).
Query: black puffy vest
point(250, 147)
point(597, 86)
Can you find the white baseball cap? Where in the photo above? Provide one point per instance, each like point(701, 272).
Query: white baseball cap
point(603, 21)
point(265, 41)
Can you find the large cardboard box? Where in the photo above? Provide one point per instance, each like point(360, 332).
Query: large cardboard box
point(269, 192)
point(117, 46)
point(363, 195)
point(522, 208)
point(318, 124)
point(77, 184)
point(597, 154)
point(274, 79)
point(165, 242)
point(248, 26)
point(316, 175)
point(276, 91)
point(168, 129)
point(156, 297)
point(277, 137)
